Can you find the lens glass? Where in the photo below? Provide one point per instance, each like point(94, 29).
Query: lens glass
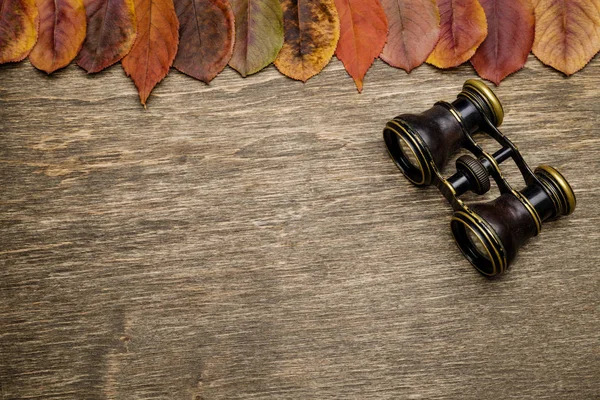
point(409, 155)
point(477, 244)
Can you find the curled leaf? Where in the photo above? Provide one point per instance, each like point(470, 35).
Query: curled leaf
point(155, 48)
point(312, 30)
point(414, 32)
point(363, 31)
point(509, 40)
point(61, 35)
point(111, 31)
point(259, 34)
point(463, 29)
point(19, 21)
point(567, 33)
point(206, 36)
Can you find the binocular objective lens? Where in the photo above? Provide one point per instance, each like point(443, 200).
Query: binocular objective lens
point(470, 238)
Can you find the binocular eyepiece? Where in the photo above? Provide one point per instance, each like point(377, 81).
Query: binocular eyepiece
point(489, 234)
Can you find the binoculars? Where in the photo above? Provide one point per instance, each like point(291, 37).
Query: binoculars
point(489, 234)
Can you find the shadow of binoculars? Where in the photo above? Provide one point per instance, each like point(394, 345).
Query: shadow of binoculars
point(488, 234)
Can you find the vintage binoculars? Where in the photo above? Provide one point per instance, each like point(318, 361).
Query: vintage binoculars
point(489, 234)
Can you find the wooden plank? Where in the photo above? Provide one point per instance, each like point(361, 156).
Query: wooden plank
point(252, 239)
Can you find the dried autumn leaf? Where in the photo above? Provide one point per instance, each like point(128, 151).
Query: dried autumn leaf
point(61, 35)
point(259, 34)
point(414, 32)
point(510, 37)
point(567, 33)
point(111, 31)
point(363, 31)
point(19, 21)
point(155, 48)
point(312, 30)
point(205, 37)
point(463, 29)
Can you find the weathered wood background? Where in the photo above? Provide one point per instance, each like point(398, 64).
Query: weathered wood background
point(252, 239)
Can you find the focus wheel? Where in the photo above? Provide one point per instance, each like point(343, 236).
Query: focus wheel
point(475, 172)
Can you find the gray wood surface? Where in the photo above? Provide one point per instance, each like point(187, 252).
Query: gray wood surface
point(252, 239)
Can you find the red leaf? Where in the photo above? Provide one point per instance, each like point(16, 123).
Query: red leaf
point(463, 29)
point(19, 21)
point(510, 37)
point(62, 31)
point(414, 32)
point(206, 37)
point(155, 48)
point(363, 31)
point(111, 33)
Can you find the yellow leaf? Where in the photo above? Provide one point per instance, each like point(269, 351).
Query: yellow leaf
point(19, 21)
point(311, 31)
point(567, 33)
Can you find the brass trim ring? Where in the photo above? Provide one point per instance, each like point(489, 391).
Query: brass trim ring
point(489, 96)
point(565, 189)
point(531, 209)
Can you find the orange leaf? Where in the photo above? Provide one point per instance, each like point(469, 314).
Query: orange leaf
point(155, 48)
point(110, 35)
point(206, 37)
point(311, 32)
point(414, 32)
point(62, 31)
point(363, 31)
point(19, 21)
point(567, 33)
point(463, 28)
point(509, 40)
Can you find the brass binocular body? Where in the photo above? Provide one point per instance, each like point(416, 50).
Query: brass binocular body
point(489, 234)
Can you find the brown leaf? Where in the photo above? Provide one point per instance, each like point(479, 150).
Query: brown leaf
point(155, 48)
point(19, 21)
point(508, 43)
point(567, 33)
point(414, 32)
point(206, 36)
point(259, 34)
point(363, 31)
point(463, 29)
point(61, 35)
point(111, 31)
point(312, 30)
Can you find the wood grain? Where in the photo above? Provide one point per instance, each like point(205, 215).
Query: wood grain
point(252, 239)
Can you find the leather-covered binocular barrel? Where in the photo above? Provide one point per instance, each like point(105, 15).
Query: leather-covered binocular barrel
point(489, 234)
